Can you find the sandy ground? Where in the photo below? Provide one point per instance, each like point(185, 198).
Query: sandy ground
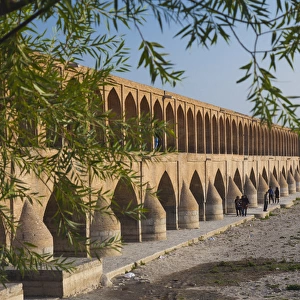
point(257, 260)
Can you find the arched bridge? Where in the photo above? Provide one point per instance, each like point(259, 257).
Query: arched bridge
point(219, 154)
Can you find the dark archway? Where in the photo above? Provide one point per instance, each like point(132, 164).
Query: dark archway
point(207, 134)
point(283, 172)
point(146, 118)
point(124, 197)
point(220, 186)
point(215, 135)
point(132, 121)
point(170, 118)
point(166, 196)
point(200, 134)
point(181, 130)
point(253, 178)
point(265, 175)
point(238, 180)
point(61, 244)
point(275, 173)
point(191, 132)
point(114, 106)
point(197, 191)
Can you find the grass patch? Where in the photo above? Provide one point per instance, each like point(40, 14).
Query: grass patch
point(271, 214)
point(226, 273)
point(293, 287)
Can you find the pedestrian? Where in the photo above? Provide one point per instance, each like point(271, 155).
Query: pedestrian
point(277, 195)
point(266, 200)
point(245, 204)
point(271, 195)
point(156, 142)
point(238, 206)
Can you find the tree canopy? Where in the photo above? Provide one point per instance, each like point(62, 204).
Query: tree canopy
point(34, 65)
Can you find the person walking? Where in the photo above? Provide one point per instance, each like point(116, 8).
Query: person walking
point(271, 195)
point(277, 195)
point(238, 206)
point(266, 201)
point(245, 204)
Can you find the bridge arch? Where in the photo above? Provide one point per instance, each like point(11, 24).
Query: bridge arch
point(114, 105)
point(259, 145)
point(275, 173)
point(131, 119)
point(228, 137)
point(265, 175)
point(238, 180)
point(191, 132)
point(246, 140)
point(254, 140)
point(253, 178)
point(166, 196)
point(181, 130)
point(59, 201)
point(207, 134)
point(146, 117)
point(170, 119)
point(235, 139)
point(222, 136)
point(220, 187)
point(241, 139)
point(196, 188)
point(124, 196)
point(283, 172)
point(200, 134)
point(215, 135)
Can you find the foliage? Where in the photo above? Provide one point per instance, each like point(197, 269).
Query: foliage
point(54, 128)
point(41, 87)
point(272, 24)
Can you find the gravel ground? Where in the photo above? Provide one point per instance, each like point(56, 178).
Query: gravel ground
point(257, 260)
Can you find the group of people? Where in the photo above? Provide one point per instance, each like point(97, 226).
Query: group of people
point(271, 195)
point(241, 205)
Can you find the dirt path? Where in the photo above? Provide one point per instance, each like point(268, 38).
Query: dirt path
point(257, 260)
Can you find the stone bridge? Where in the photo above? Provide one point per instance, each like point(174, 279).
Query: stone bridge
point(219, 154)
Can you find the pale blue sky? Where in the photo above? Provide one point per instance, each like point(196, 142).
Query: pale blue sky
point(211, 74)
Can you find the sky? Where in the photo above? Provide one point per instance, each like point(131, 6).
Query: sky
point(210, 74)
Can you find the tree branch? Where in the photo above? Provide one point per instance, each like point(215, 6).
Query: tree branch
point(30, 19)
point(8, 6)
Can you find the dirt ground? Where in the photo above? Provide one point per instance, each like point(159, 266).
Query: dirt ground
point(259, 259)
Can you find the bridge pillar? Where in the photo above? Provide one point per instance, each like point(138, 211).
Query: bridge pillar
point(261, 190)
point(104, 227)
point(273, 183)
point(284, 189)
point(297, 179)
point(33, 230)
point(214, 210)
point(154, 227)
point(251, 192)
point(188, 210)
point(291, 183)
point(233, 191)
